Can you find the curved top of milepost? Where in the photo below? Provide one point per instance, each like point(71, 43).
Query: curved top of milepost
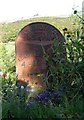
point(39, 33)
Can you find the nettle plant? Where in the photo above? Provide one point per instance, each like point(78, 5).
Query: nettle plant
point(68, 74)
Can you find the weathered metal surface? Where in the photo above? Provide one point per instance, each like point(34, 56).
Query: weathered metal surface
point(29, 49)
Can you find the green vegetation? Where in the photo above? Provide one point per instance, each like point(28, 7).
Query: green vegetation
point(9, 31)
point(65, 80)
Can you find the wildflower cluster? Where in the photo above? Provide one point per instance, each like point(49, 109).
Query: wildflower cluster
point(50, 97)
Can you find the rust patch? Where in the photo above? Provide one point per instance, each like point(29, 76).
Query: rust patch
point(29, 48)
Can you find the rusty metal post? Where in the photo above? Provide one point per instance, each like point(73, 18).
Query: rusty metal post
point(30, 60)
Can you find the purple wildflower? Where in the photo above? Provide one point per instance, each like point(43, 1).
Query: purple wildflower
point(61, 88)
point(55, 93)
point(52, 98)
point(47, 93)
point(59, 98)
point(42, 95)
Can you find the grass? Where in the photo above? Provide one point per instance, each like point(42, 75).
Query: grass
point(63, 98)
